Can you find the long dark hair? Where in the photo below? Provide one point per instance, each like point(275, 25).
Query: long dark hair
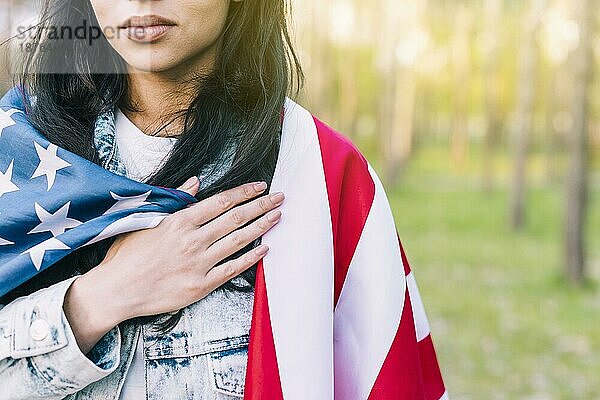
point(241, 98)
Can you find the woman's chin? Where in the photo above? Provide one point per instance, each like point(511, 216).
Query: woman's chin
point(153, 63)
point(150, 64)
point(145, 68)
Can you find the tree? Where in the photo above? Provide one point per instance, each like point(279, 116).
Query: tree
point(528, 59)
point(492, 14)
point(577, 184)
point(461, 65)
point(399, 45)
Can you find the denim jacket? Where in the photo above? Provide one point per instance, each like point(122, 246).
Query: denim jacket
point(203, 357)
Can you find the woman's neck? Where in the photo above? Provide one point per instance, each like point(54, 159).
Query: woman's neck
point(159, 95)
point(153, 95)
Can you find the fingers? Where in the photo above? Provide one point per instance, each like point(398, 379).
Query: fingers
point(232, 268)
point(190, 186)
point(239, 216)
point(207, 209)
point(238, 239)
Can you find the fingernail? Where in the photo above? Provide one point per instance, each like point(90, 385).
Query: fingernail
point(274, 215)
point(190, 182)
point(260, 186)
point(277, 198)
point(261, 250)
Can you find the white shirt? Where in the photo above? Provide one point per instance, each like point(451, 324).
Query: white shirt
point(142, 155)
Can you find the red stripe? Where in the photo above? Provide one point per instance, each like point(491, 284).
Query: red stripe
point(432, 376)
point(262, 372)
point(410, 370)
point(351, 190)
point(400, 376)
point(405, 262)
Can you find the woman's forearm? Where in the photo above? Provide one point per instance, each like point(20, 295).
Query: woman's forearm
point(91, 309)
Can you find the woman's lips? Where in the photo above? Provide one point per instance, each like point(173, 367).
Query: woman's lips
point(146, 34)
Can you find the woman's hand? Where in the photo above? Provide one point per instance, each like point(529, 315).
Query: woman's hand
point(171, 266)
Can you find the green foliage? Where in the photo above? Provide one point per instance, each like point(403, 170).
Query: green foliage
point(505, 322)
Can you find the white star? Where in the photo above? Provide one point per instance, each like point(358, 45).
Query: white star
point(37, 252)
point(6, 185)
point(56, 223)
point(6, 120)
point(49, 163)
point(126, 203)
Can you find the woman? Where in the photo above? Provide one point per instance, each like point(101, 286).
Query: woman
point(185, 88)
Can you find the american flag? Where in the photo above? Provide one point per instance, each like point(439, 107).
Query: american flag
point(337, 312)
point(53, 201)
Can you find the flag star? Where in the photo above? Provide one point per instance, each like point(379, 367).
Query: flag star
point(128, 202)
point(6, 185)
point(6, 120)
point(37, 252)
point(56, 223)
point(4, 242)
point(49, 163)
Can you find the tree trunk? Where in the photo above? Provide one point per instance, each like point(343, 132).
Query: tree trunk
point(524, 113)
point(400, 122)
point(555, 127)
point(461, 62)
point(492, 13)
point(319, 60)
point(398, 91)
point(577, 185)
point(348, 91)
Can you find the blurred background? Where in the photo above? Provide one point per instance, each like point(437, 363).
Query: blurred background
point(482, 117)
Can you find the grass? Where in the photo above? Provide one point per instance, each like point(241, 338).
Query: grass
point(506, 323)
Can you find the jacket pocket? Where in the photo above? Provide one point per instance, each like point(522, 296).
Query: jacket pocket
point(212, 370)
point(205, 355)
point(227, 367)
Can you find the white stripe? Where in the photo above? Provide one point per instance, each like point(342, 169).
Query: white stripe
point(370, 306)
point(421, 322)
point(445, 396)
point(299, 265)
point(132, 222)
point(14, 110)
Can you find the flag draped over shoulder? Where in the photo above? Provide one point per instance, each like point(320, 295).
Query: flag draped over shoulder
point(337, 313)
point(53, 201)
